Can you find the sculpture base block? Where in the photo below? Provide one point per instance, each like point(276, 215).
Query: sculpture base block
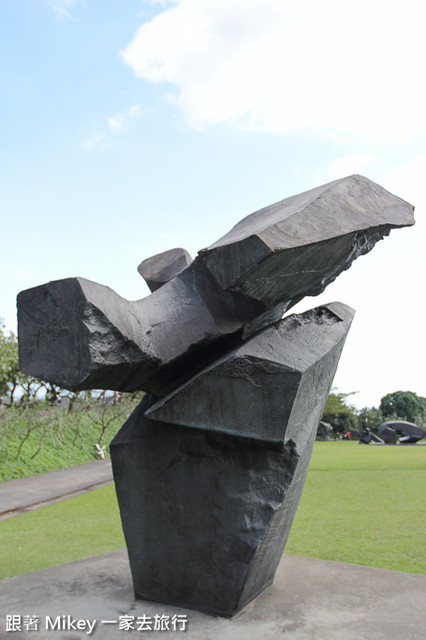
point(205, 516)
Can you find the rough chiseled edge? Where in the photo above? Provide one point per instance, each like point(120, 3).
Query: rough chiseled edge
point(350, 207)
point(232, 395)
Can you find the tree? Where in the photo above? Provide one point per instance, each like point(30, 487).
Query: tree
point(403, 404)
point(339, 414)
point(9, 363)
point(336, 403)
point(11, 378)
point(370, 417)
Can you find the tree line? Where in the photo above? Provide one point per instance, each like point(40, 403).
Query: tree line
point(399, 405)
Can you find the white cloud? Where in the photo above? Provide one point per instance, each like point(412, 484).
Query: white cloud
point(134, 111)
point(355, 163)
point(122, 121)
point(281, 66)
point(62, 8)
point(408, 180)
point(96, 139)
point(162, 3)
point(116, 123)
point(341, 167)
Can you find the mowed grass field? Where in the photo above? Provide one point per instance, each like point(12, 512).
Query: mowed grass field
point(364, 505)
point(361, 504)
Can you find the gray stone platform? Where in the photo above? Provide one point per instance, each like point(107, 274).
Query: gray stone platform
point(309, 600)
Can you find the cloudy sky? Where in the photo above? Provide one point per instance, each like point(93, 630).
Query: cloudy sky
point(128, 128)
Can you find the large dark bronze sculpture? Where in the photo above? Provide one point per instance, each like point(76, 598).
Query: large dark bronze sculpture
point(408, 432)
point(210, 467)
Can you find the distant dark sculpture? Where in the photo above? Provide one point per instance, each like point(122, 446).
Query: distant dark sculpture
point(210, 467)
point(365, 437)
point(368, 437)
point(324, 430)
point(409, 433)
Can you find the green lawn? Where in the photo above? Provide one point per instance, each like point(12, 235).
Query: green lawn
point(77, 528)
point(361, 504)
point(364, 505)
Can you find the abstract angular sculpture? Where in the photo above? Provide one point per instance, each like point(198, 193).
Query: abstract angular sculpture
point(109, 343)
point(210, 467)
point(409, 432)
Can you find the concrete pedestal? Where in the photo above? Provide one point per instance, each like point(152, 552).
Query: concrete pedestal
point(310, 599)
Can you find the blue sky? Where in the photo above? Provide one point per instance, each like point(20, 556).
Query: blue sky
point(130, 128)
